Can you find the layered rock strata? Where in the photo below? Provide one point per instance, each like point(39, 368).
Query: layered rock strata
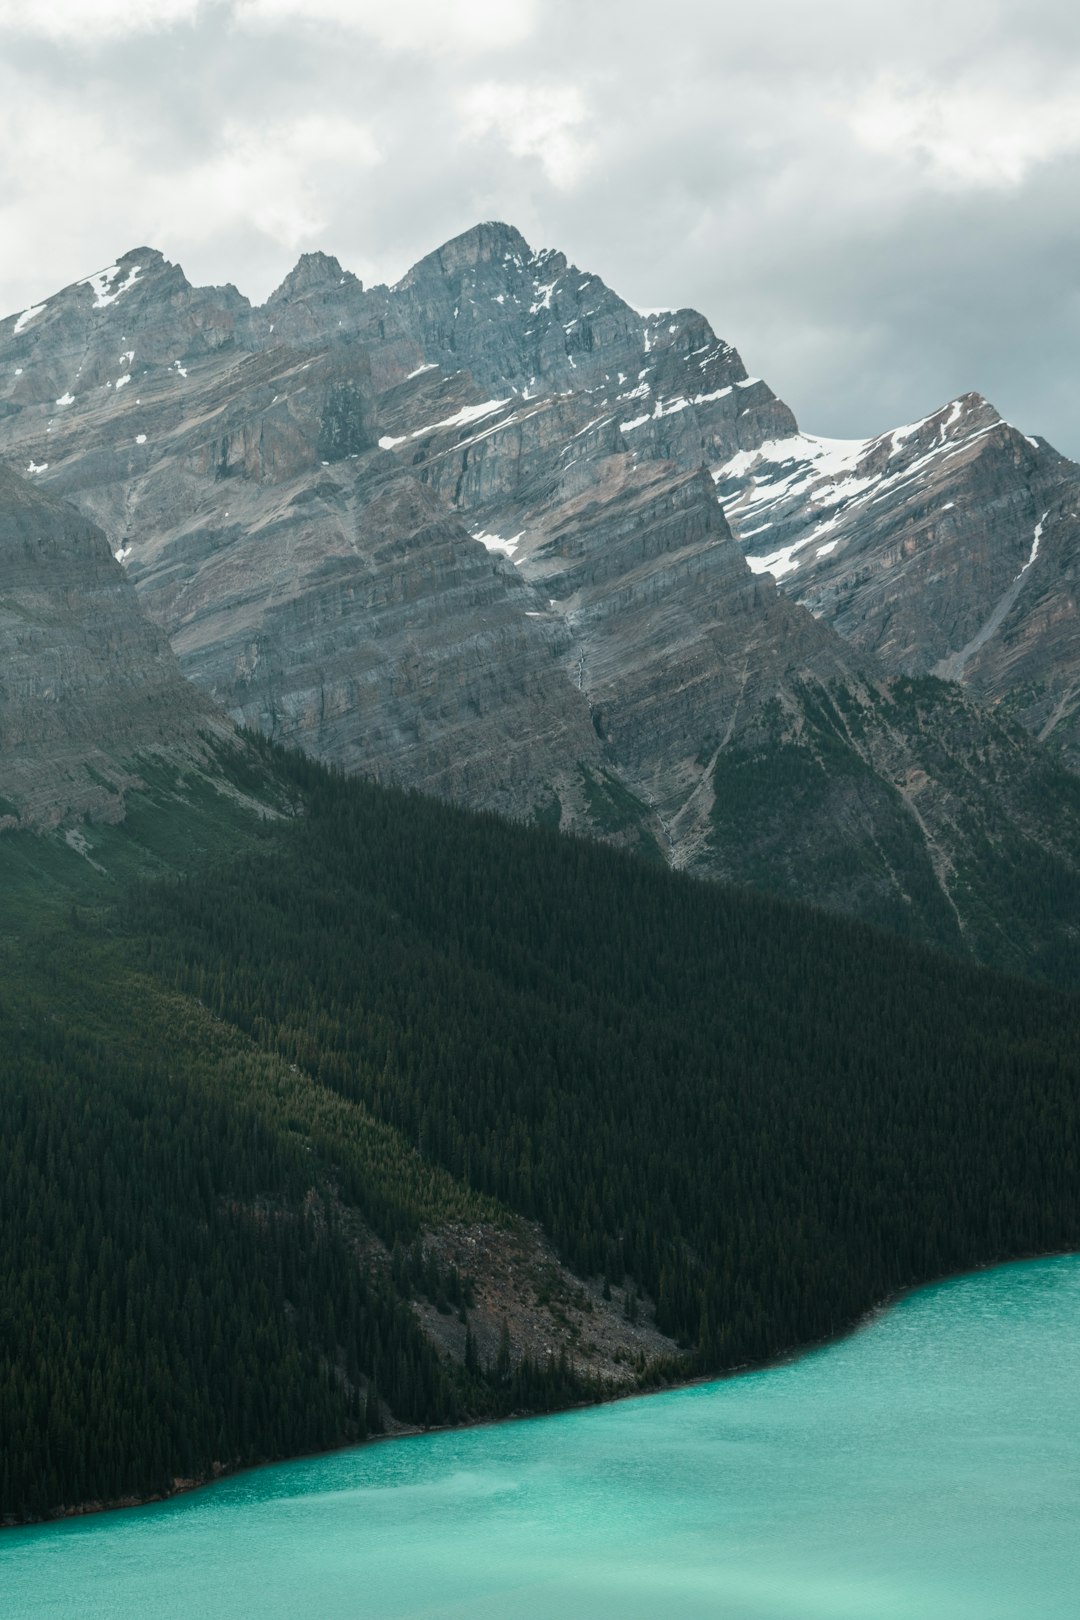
point(949, 546)
point(88, 685)
point(495, 533)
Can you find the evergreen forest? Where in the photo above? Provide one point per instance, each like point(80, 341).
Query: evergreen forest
point(245, 1056)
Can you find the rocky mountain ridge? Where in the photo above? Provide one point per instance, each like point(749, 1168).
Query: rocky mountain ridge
point(90, 691)
point(948, 547)
point(483, 532)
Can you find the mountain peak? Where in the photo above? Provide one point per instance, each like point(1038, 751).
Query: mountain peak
point(313, 271)
point(149, 257)
point(137, 264)
point(971, 404)
point(492, 241)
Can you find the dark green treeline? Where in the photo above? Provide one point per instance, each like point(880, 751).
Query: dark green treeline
point(395, 1015)
point(768, 1117)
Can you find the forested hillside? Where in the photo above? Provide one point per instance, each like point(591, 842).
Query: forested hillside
point(240, 1103)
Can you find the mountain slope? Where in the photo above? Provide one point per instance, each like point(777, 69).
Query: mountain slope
point(948, 547)
point(280, 1135)
point(304, 582)
point(463, 533)
point(88, 686)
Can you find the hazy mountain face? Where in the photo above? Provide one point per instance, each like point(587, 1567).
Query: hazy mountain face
point(486, 532)
point(90, 690)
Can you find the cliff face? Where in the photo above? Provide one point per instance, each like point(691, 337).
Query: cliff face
point(949, 546)
point(306, 580)
point(668, 639)
point(295, 492)
point(487, 532)
point(88, 685)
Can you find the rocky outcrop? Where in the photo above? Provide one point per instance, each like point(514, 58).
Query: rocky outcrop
point(495, 533)
point(744, 735)
point(949, 546)
point(139, 318)
point(88, 686)
point(531, 325)
point(360, 621)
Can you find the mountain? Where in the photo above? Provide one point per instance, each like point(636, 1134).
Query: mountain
point(332, 1109)
point(464, 533)
point(947, 547)
point(90, 691)
point(304, 582)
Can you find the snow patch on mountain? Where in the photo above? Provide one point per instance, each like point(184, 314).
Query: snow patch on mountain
point(781, 562)
point(101, 283)
point(496, 542)
point(543, 296)
point(467, 414)
point(804, 486)
point(25, 318)
point(1034, 544)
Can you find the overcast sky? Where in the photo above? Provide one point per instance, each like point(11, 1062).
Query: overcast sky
point(876, 203)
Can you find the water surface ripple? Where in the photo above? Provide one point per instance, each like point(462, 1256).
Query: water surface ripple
point(928, 1468)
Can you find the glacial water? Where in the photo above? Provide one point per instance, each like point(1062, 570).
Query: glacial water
point(927, 1468)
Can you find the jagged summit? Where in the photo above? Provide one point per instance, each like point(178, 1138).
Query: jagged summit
point(313, 272)
point(530, 323)
point(788, 493)
point(944, 546)
point(147, 256)
point(491, 241)
point(457, 532)
point(97, 291)
point(318, 299)
point(101, 336)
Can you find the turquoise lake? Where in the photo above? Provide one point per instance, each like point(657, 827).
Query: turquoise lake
point(927, 1468)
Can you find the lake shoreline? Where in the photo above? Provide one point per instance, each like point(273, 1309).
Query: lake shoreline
point(186, 1487)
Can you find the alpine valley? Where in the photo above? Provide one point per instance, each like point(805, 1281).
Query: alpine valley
point(344, 1093)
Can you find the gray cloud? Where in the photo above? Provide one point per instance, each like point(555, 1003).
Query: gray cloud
point(875, 204)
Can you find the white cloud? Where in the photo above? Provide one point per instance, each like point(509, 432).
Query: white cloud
point(282, 179)
point(820, 180)
point(533, 122)
point(48, 201)
point(281, 184)
point(968, 136)
point(81, 21)
point(414, 25)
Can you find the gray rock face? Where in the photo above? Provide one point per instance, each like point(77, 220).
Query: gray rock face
point(306, 580)
point(532, 325)
point(301, 528)
point(468, 532)
point(949, 546)
point(88, 686)
point(393, 644)
point(138, 318)
point(670, 636)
